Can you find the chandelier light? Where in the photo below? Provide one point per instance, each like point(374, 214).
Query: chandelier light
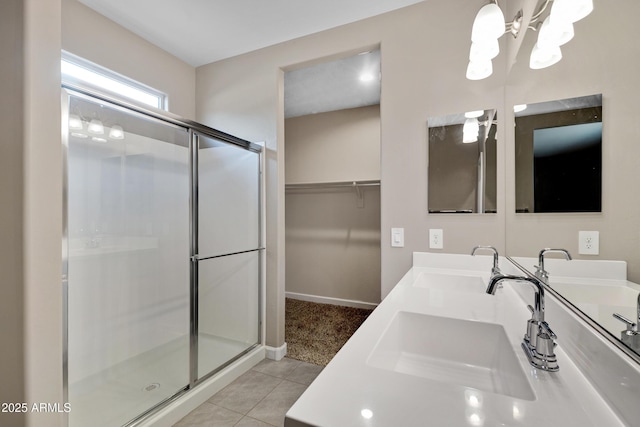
point(470, 130)
point(571, 10)
point(116, 132)
point(489, 24)
point(75, 122)
point(554, 31)
point(96, 127)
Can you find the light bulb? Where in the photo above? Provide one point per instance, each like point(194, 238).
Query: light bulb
point(95, 126)
point(366, 414)
point(367, 77)
point(483, 50)
point(75, 122)
point(470, 130)
point(116, 132)
point(570, 10)
point(519, 107)
point(489, 23)
point(479, 70)
point(473, 114)
point(543, 58)
point(554, 33)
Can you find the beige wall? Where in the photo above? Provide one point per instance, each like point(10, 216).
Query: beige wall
point(12, 365)
point(332, 243)
point(31, 218)
point(421, 77)
point(332, 147)
point(31, 184)
point(602, 58)
point(92, 36)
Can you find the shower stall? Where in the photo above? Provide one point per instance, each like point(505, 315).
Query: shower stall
point(162, 257)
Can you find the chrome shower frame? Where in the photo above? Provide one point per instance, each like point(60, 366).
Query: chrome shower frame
point(194, 129)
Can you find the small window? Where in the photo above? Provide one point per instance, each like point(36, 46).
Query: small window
point(76, 70)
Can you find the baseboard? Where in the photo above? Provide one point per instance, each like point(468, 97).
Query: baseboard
point(333, 301)
point(276, 353)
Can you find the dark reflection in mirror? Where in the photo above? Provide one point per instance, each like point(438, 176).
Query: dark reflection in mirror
point(559, 156)
point(462, 163)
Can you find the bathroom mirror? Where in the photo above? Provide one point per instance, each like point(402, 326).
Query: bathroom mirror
point(558, 156)
point(462, 163)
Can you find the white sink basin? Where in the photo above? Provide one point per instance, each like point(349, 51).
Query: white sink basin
point(451, 282)
point(459, 352)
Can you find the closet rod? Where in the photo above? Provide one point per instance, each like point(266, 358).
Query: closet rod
point(342, 184)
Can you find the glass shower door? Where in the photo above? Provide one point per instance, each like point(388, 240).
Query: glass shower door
point(127, 262)
point(226, 252)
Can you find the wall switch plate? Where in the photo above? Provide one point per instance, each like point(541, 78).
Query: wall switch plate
point(397, 237)
point(435, 238)
point(589, 242)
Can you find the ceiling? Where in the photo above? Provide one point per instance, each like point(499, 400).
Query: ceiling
point(334, 85)
point(204, 31)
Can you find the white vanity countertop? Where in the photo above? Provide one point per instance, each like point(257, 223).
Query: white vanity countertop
point(352, 392)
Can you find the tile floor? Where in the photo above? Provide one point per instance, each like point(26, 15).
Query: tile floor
point(259, 398)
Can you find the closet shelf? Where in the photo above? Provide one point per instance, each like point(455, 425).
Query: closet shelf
point(340, 184)
point(356, 185)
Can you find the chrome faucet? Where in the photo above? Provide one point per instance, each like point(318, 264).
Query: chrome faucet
point(541, 273)
point(496, 269)
point(539, 339)
point(631, 336)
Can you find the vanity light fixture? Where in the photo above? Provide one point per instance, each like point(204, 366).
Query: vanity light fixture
point(98, 139)
point(553, 32)
point(96, 127)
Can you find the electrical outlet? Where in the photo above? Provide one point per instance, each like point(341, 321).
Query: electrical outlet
point(436, 238)
point(589, 242)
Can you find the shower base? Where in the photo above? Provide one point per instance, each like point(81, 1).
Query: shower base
point(116, 395)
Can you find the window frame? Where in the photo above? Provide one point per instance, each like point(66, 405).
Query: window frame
point(102, 73)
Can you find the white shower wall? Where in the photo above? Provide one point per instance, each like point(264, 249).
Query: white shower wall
point(128, 250)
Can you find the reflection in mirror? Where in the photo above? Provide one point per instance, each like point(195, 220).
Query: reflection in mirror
point(598, 291)
point(462, 162)
point(559, 156)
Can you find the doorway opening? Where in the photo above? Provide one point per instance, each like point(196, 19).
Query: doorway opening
point(332, 202)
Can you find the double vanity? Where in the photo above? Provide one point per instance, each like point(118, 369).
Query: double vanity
point(441, 350)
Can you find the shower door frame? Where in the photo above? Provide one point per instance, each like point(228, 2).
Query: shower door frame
point(194, 129)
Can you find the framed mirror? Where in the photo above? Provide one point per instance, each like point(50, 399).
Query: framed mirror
point(558, 160)
point(462, 163)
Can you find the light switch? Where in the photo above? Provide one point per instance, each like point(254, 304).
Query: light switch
point(397, 237)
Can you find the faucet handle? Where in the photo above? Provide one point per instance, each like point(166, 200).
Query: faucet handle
point(544, 326)
point(631, 327)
